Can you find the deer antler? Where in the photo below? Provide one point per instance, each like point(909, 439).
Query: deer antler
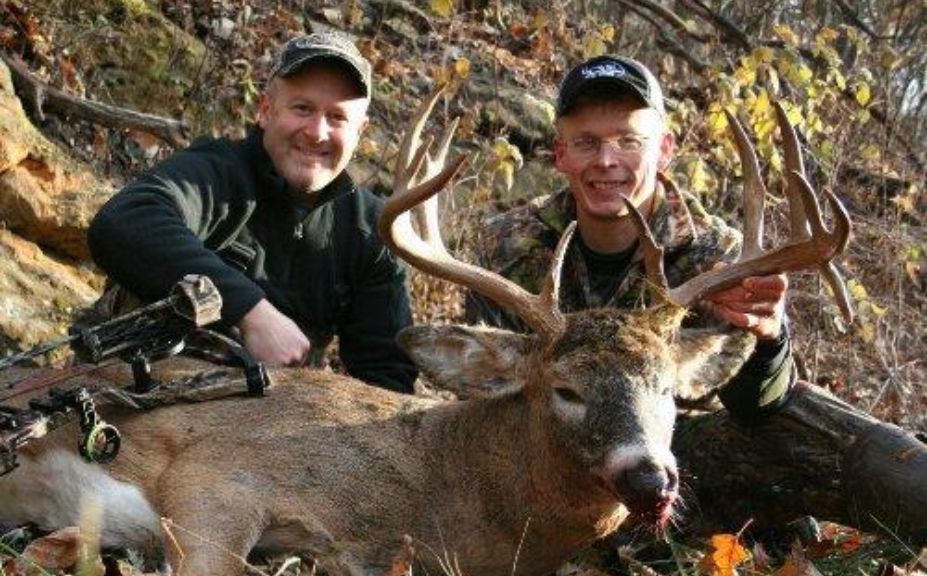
point(427, 251)
point(816, 247)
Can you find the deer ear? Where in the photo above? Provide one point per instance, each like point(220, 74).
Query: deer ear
point(709, 357)
point(469, 361)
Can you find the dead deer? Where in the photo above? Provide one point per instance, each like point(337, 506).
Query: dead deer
point(564, 433)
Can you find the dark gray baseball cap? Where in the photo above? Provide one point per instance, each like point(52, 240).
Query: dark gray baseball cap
point(333, 46)
point(610, 73)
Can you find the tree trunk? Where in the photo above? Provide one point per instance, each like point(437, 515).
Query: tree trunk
point(816, 456)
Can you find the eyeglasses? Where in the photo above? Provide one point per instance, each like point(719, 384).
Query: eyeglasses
point(590, 146)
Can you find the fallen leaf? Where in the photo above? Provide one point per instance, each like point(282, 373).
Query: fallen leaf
point(834, 538)
point(728, 553)
point(797, 564)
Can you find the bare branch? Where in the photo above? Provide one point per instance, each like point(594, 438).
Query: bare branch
point(727, 28)
point(668, 41)
point(853, 17)
point(666, 15)
point(40, 95)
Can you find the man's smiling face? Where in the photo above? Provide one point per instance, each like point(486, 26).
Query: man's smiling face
point(609, 150)
point(312, 123)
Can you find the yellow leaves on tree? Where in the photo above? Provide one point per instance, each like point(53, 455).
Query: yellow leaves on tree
point(443, 8)
point(462, 67)
point(786, 34)
point(452, 74)
point(867, 311)
point(505, 161)
point(545, 108)
point(862, 93)
point(596, 42)
point(717, 121)
point(826, 35)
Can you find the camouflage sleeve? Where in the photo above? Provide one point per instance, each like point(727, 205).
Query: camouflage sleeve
point(480, 310)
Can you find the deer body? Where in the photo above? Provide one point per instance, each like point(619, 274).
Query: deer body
point(339, 470)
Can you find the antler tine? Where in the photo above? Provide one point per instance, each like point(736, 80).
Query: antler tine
point(804, 251)
point(754, 192)
point(411, 139)
point(428, 253)
point(427, 212)
point(653, 254)
point(798, 221)
point(550, 294)
point(836, 240)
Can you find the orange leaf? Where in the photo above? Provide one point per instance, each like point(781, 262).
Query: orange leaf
point(834, 538)
point(728, 553)
point(852, 541)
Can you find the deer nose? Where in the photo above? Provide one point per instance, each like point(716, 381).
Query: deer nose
point(648, 487)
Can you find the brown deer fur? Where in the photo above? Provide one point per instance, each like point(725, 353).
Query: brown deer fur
point(327, 466)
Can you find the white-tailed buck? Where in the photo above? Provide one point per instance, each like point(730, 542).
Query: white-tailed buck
point(564, 433)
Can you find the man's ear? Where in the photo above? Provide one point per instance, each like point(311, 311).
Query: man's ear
point(264, 107)
point(667, 149)
point(469, 361)
point(559, 152)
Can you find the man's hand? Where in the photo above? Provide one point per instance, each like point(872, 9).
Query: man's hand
point(757, 304)
point(272, 337)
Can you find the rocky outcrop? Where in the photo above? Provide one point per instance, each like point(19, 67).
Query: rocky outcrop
point(46, 202)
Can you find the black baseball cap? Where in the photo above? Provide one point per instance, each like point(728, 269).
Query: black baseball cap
point(333, 46)
point(610, 72)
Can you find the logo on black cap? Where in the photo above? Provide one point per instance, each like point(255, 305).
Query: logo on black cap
point(610, 73)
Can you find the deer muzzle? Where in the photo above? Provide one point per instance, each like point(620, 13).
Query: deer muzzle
point(646, 482)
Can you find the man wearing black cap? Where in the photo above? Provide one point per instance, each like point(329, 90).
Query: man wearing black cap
point(276, 222)
point(612, 143)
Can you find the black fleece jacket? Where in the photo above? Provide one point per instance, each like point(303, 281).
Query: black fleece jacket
point(220, 209)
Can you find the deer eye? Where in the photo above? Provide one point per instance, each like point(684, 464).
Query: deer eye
point(569, 395)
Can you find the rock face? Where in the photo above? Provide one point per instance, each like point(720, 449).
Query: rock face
point(46, 202)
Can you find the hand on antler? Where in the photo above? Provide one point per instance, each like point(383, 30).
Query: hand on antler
point(757, 304)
